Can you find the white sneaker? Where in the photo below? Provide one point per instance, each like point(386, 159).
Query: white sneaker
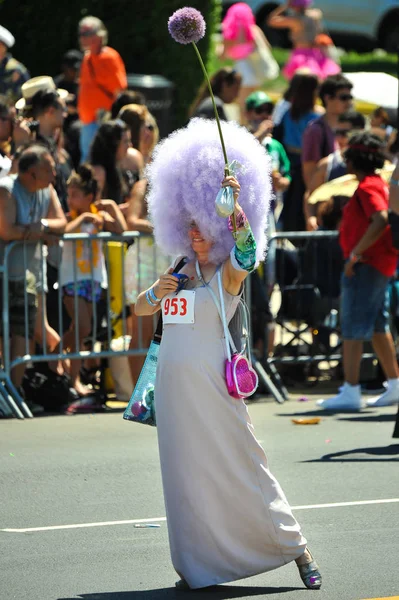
point(388, 398)
point(349, 398)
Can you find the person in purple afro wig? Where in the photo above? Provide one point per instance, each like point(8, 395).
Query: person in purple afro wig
point(185, 177)
point(227, 516)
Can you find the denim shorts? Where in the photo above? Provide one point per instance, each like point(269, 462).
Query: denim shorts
point(364, 303)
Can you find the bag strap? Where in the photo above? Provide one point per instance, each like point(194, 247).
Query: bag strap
point(100, 87)
point(220, 308)
point(158, 332)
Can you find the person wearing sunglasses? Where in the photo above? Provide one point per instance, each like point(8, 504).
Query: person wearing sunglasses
point(102, 78)
point(227, 515)
point(259, 109)
point(319, 138)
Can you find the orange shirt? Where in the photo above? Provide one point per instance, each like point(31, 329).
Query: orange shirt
point(107, 71)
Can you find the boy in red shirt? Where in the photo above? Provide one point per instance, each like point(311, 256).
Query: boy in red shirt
point(102, 77)
point(366, 242)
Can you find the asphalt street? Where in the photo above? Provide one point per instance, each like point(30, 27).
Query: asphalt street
point(101, 474)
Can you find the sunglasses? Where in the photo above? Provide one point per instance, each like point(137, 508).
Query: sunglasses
point(345, 97)
point(149, 126)
point(265, 108)
point(343, 132)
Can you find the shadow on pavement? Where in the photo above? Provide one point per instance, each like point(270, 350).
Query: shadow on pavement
point(331, 413)
point(367, 418)
point(222, 592)
point(381, 451)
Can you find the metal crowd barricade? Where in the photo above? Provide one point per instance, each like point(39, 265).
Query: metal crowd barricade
point(109, 316)
point(305, 298)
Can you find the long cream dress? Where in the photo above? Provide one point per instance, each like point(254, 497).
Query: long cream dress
point(227, 516)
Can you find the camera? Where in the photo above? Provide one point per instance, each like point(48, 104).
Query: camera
point(33, 126)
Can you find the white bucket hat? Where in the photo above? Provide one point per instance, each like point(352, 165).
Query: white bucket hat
point(6, 37)
point(36, 84)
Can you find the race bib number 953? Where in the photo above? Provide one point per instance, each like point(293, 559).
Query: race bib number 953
point(178, 309)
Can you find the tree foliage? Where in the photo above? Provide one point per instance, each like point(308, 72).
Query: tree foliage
point(44, 30)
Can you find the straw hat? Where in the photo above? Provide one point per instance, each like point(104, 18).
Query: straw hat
point(345, 185)
point(36, 84)
point(6, 37)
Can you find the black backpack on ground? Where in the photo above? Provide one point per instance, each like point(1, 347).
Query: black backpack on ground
point(43, 386)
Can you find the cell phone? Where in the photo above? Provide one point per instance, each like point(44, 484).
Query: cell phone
point(182, 281)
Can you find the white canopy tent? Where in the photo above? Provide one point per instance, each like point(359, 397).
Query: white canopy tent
point(380, 89)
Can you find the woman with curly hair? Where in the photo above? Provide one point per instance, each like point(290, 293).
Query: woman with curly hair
point(371, 260)
point(206, 441)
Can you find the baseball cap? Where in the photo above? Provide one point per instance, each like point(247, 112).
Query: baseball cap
point(257, 99)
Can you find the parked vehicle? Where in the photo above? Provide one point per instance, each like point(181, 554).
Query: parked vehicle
point(377, 21)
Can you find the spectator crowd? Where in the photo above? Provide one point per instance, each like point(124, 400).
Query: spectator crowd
point(73, 153)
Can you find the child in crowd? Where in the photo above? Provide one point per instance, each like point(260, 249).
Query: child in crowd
point(371, 260)
point(82, 274)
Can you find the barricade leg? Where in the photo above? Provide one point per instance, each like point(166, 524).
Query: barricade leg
point(265, 378)
point(8, 405)
point(13, 392)
point(275, 376)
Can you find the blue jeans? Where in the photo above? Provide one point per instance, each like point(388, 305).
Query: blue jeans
point(364, 303)
point(87, 133)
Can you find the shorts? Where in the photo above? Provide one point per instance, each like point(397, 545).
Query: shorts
point(16, 306)
point(364, 303)
point(86, 289)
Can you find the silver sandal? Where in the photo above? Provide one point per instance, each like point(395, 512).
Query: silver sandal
point(310, 573)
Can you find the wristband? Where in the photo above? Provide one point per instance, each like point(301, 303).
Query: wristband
point(153, 296)
point(44, 225)
point(394, 182)
point(149, 301)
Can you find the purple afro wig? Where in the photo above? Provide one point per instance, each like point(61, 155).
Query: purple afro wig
point(185, 177)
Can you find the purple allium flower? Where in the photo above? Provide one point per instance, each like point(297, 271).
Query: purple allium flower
point(187, 25)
